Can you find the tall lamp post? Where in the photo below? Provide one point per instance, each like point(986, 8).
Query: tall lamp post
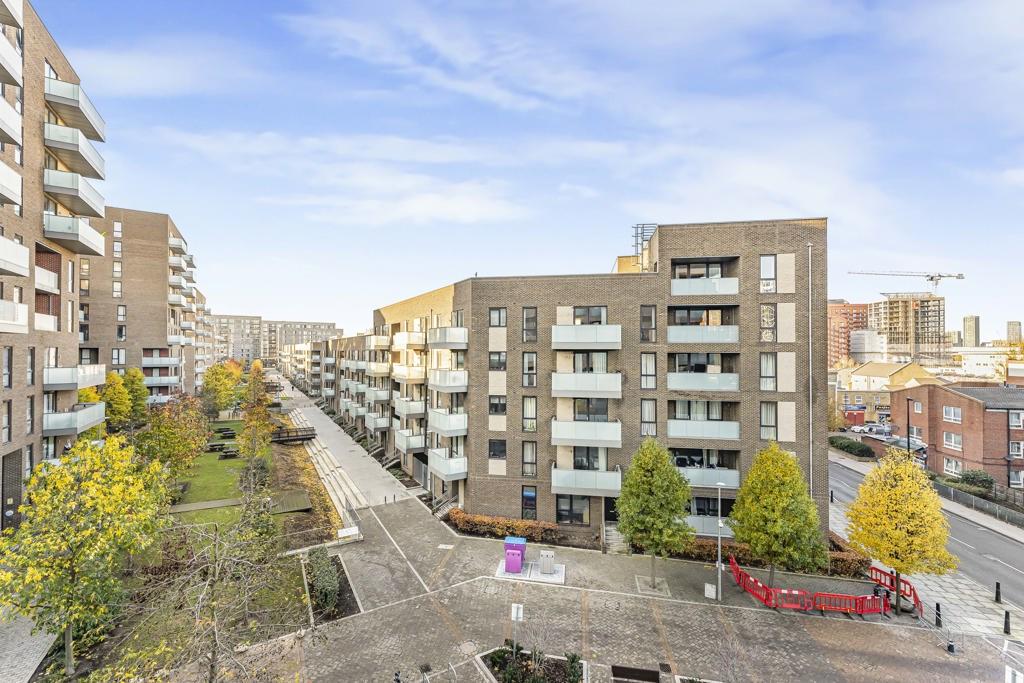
point(910, 402)
point(718, 591)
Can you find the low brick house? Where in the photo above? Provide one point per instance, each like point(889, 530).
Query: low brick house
point(966, 426)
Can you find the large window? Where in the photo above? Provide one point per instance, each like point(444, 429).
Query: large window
point(697, 411)
point(1017, 479)
point(694, 362)
point(705, 458)
point(691, 315)
point(496, 449)
point(768, 273)
point(590, 315)
point(529, 502)
point(116, 289)
point(586, 458)
point(8, 366)
point(122, 313)
point(496, 405)
point(590, 361)
point(529, 458)
point(706, 506)
point(529, 413)
point(768, 322)
point(30, 366)
point(498, 317)
point(769, 372)
point(648, 324)
point(117, 269)
point(951, 414)
point(5, 429)
point(648, 417)
point(591, 409)
point(951, 466)
point(529, 368)
point(648, 371)
point(496, 360)
point(691, 271)
point(769, 421)
point(529, 324)
point(1017, 449)
point(953, 440)
point(30, 415)
point(117, 356)
point(572, 509)
point(1016, 418)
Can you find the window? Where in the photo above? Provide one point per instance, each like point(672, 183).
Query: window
point(30, 366)
point(496, 448)
point(117, 247)
point(496, 405)
point(769, 372)
point(697, 411)
point(572, 509)
point(591, 409)
point(529, 502)
point(5, 429)
point(769, 421)
point(117, 229)
point(648, 417)
point(529, 413)
point(458, 318)
point(951, 414)
point(529, 368)
point(586, 458)
point(917, 407)
point(767, 322)
point(586, 362)
point(590, 315)
point(689, 271)
point(767, 273)
point(953, 440)
point(648, 371)
point(122, 313)
point(648, 324)
point(951, 466)
point(1017, 449)
point(83, 269)
point(8, 366)
point(1016, 418)
point(116, 291)
point(915, 432)
point(30, 415)
point(83, 286)
point(71, 276)
point(117, 269)
point(529, 458)
point(498, 317)
point(496, 361)
point(706, 506)
point(1017, 480)
point(117, 356)
point(83, 332)
point(529, 324)
point(30, 460)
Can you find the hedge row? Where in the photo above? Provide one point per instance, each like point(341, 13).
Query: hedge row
point(851, 446)
point(485, 525)
point(843, 559)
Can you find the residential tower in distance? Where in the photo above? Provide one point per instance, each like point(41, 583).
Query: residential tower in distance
point(248, 337)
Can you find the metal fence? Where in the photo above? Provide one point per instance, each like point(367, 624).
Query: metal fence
point(998, 511)
point(1005, 493)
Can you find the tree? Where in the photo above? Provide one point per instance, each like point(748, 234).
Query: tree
point(178, 433)
point(897, 519)
point(775, 515)
point(653, 503)
point(836, 419)
point(118, 400)
point(60, 566)
point(90, 395)
point(135, 383)
point(219, 385)
point(254, 441)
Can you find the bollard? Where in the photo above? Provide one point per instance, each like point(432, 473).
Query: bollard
point(1006, 622)
point(950, 648)
point(999, 593)
point(831, 496)
point(938, 615)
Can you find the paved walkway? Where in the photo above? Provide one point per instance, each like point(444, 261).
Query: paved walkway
point(20, 651)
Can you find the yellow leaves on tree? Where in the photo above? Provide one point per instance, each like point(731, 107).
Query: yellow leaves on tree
point(118, 400)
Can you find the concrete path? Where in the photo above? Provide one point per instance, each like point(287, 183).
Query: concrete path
point(373, 481)
point(204, 505)
point(20, 650)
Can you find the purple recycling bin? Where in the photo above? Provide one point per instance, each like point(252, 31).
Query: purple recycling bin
point(513, 561)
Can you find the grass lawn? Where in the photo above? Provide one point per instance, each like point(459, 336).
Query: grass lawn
point(213, 479)
point(230, 424)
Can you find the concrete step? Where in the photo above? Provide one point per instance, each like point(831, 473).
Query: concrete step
point(614, 541)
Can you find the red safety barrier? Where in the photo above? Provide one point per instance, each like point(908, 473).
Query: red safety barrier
point(834, 602)
point(888, 580)
point(869, 604)
point(736, 571)
point(761, 592)
point(786, 598)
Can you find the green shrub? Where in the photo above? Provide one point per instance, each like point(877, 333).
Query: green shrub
point(979, 478)
point(851, 446)
point(966, 488)
point(323, 580)
point(843, 559)
point(485, 525)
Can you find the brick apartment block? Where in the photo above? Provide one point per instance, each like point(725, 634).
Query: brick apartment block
point(526, 396)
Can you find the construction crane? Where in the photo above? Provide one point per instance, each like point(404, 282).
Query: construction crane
point(934, 278)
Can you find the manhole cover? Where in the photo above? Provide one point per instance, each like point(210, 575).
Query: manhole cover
point(468, 648)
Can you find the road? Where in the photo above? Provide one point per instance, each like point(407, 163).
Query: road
point(985, 556)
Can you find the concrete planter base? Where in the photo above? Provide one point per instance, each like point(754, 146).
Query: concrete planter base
point(486, 670)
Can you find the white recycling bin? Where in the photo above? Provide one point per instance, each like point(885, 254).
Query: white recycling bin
point(547, 561)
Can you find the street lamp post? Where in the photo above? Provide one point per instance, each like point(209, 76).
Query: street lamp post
point(718, 591)
point(910, 401)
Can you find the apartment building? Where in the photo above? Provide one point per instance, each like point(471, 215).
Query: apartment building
point(238, 337)
point(204, 348)
point(844, 318)
point(1013, 335)
point(972, 330)
point(47, 162)
point(311, 366)
point(526, 396)
point(914, 324)
point(863, 392)
point(138, 301)
point(967, 426)
point(275, 334)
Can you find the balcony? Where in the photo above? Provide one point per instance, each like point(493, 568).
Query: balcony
point(12, 13)
point(377, 395)
point(409, 374)
point(703, 381)
point(158, 399)
point(359, 388)
point(162, 380)
point(77, 377)
point(188, 325)
point(711, 477)
point(586, 384)
point(378, 369)
point(703, 334)
point(449, 381)
point(407, 442)
point(74, 192)
point(446, 467)
point(74, 421)
point(46, 323)
point(705, 286)
point(448, 338)
point(74, 108)
point(176, 300)
point(47, 280)
point(14, 258)
point(176, 281)
point(706, 525)
point(404, 341)
point(378, 342)
point(607, 483)
point(177, 245)
point(73, 233)
point(582, 433)
point(10, 184)
point(377, 423)
point(327, 392)
point(445, 423)
point(329, 360)
point(189, 275)
point(161, 361)
point(176, 263)
point(586, 337)
point(74, 150)
point(406, 407)
point(190, 260)
point(179, 340)
point(13, 317)
point(10, 63)
point(359, 365)
point(10, 124)
point(703, 429)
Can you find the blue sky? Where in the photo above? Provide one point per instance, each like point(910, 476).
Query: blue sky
point(336, 156)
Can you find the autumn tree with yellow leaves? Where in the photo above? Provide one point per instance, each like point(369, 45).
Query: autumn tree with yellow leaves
point(60, 566)
point(897, 519)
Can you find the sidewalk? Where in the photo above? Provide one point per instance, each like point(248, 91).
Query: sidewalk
point(20, 651)
point(975, 517)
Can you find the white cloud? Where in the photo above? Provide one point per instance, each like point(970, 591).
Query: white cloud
point(577, 191)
